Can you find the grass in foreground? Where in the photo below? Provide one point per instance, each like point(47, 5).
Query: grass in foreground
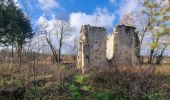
point(63, 82)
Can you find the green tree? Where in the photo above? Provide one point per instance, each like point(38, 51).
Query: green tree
point(7, 16)
point(15, 27)
point(156, 11)
point(23, 31)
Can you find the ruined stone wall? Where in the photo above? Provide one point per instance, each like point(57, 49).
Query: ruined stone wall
point(92, 48)
point(125, 46)
point(122, 47)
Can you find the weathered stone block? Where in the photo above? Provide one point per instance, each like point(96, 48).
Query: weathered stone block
point(92, 48)
point(123, 46)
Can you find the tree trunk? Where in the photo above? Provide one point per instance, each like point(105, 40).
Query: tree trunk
point(12, 57)
point(141, 59)
point(159, 57)
point(59, 54)
point(55, 57)
point(60, 45)
point(19, 52)
point(141, 42)
point(151, 57)
point(12, 52)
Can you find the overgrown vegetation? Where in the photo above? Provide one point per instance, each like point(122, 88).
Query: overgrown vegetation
point(29, 73)
point(64, 82)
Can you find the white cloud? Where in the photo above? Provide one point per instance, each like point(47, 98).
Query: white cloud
point(48, 4)
point(113, 1)
point(17, 4)
point(48, 25)
point(41, 20)
point(15, 0)
point(100, 18)
point(129, 6)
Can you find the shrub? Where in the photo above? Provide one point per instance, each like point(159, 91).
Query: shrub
point(129, 82)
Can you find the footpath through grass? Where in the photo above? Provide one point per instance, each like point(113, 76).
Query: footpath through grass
point(64, 82)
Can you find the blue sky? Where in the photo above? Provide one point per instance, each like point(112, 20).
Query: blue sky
point(40, 7)
point(103, 13)
point(63, 9)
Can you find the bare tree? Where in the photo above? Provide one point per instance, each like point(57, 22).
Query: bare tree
point(74, 48)
point(64, 31)
point(59, 30)
point(128, 18)
point(47, 37)
point(165, 43)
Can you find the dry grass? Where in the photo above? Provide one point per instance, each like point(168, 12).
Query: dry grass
point(134, 83)
point(127, 82)
point(39, 81)
point(163, 69)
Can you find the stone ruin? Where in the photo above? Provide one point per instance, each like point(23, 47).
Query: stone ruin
point(92, 48)
point(118, 49)
point(123, 46)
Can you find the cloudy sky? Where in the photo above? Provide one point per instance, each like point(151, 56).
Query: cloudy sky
point(104, 13)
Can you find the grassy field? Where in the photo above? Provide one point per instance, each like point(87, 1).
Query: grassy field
point(65, 82)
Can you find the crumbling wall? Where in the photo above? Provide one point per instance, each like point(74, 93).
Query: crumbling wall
point(125, 46)
point(92, 48)
point(122, 47)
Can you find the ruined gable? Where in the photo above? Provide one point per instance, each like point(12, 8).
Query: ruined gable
point(122, 48)
point(125, 46)
point(92, 48)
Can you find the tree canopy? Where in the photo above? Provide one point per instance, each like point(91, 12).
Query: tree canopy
point(157, 14)
point(14, 25)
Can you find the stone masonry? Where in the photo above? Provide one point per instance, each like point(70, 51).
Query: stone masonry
point(122, 47)
point(92, 48)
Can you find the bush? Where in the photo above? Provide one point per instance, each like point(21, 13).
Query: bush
point(129, 82)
